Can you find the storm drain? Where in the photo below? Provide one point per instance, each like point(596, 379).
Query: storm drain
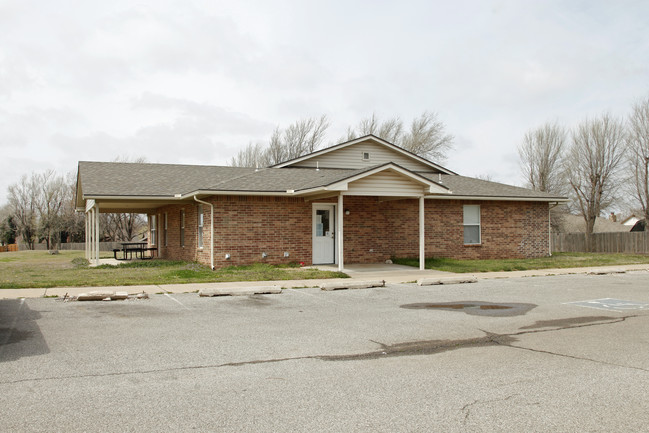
point(476, 308)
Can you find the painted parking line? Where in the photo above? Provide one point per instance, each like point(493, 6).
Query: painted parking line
point(610, 304)
point(176, 300)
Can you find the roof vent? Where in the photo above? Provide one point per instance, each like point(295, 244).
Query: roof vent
point(366, 156)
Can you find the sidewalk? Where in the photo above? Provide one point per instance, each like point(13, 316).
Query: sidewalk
point(394, 274)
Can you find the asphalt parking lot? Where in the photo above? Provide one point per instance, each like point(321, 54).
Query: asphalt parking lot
point(542, 354)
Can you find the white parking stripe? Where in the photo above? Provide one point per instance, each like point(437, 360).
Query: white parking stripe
point(174, 299)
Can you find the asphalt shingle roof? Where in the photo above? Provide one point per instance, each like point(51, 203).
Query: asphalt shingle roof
point(166, 180)
point(469, 186)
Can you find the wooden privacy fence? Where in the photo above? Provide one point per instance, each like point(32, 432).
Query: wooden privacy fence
point(7, 248)
point(615, 242)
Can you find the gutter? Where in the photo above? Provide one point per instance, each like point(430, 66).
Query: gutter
point(211, 229)
point(495, 198)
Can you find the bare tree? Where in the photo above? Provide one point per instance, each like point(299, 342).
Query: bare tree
point(638, 154)
point(592, 166)
point(73, 224)
point(22, 200)
point(50, 201)
point(300, 138)
point(305, 136)
point(390, 130)
point(426, 137)
point(541, 158)
point(253, 155)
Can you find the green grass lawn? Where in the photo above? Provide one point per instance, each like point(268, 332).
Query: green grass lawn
point(38, 269)
point(557, 260)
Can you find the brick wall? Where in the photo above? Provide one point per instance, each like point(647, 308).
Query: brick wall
point(508, 229)
point(375, 230)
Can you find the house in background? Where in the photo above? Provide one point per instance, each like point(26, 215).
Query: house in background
point(576, 224)
point(631, 220)
point(362, 201)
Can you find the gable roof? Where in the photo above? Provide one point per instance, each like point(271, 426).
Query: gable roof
point(371, 138)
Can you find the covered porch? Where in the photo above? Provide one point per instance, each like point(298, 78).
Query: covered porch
point(393, 191)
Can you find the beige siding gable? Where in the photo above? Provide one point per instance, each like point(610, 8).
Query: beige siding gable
point(386, 183)
point(353, 157)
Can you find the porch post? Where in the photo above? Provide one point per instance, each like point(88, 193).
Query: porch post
point(422, 249)
point(85, 232)
point(91, 251)
point(97, 233)
point(339, 244)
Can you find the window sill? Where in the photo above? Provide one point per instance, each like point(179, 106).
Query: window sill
point(473, 245)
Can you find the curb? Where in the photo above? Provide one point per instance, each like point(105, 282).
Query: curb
point(240, 291)
point(342, 285)
point(446, 280)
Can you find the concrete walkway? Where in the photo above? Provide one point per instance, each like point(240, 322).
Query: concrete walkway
point(391, 274)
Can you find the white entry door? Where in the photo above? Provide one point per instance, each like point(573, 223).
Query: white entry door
point(323, 234)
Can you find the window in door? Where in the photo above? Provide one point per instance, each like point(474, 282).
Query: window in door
point(322, 222)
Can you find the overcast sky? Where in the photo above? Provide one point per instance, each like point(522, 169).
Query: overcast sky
point(193, 82)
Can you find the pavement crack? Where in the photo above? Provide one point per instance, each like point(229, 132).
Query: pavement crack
point(425, 347)
point(581, 358)
point(466, 409)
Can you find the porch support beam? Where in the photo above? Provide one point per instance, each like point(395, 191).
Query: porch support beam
point(92, 234)
point(86, 235)
point(97, 234)
point(339, 231)
point(422, 247)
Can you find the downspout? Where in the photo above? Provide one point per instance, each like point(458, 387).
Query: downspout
point(550, 227)
point(211, 229)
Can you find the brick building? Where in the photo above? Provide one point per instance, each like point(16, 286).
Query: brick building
point(362, 201)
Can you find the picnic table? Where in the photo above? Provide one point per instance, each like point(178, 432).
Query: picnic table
point(139, 248)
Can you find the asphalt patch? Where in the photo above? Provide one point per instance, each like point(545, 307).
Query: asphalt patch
point(476, 308)
point(427, 347)
point(560, 323)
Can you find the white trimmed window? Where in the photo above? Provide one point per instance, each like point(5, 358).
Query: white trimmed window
point(164, 231)
point(152, 227)
point(472, 224)
point(200, 226)
point(182, 228)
